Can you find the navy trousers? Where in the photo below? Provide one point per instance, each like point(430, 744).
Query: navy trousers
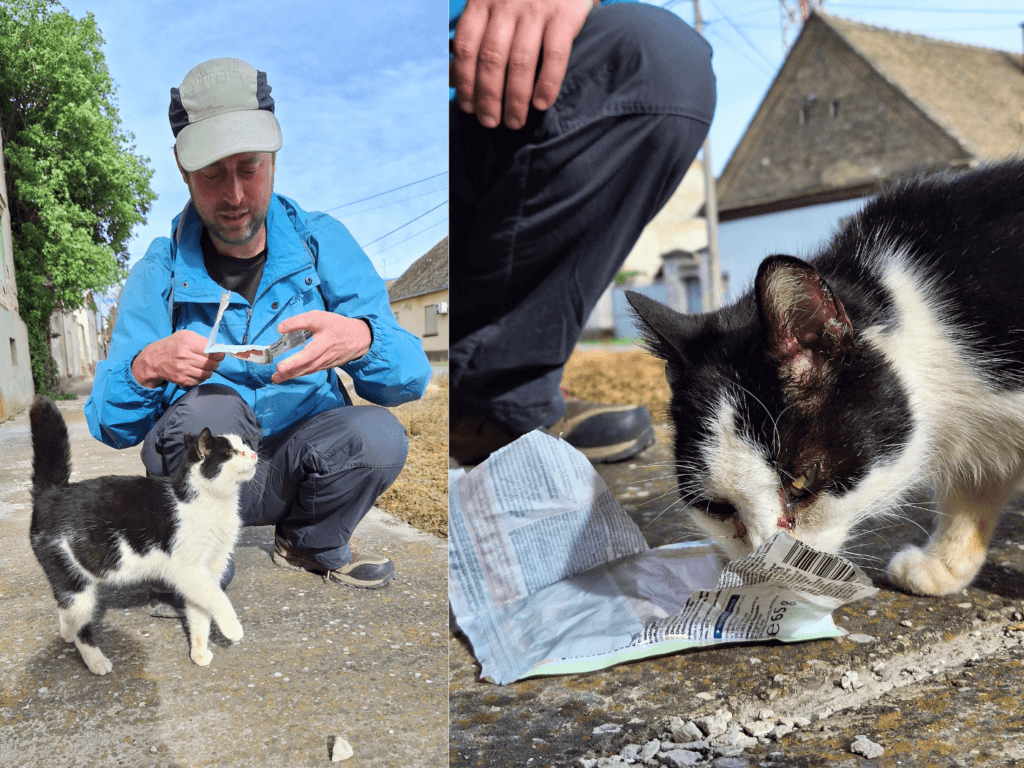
point(543, 217)
point(315, 481)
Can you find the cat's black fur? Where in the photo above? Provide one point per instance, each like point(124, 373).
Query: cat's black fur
point(123, 530)
point(832, 372)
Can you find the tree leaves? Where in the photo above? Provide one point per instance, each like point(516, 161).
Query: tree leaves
point(76, 188)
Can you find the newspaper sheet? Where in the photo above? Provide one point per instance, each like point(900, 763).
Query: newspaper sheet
point(254, 353)
point(549, 575)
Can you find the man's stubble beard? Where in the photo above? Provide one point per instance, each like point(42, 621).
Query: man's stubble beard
point(217, 231)
point(254, 227)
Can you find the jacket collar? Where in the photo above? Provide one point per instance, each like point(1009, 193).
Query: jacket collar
point(287, 253)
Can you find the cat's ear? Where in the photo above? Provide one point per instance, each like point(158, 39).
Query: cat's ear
point(805, 323)
point(199, 445)
point(664, 330)
point(205, 442)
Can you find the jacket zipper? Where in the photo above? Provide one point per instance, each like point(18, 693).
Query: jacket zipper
point(248, 319)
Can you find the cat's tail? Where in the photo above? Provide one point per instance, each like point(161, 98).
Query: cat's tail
point(51, 448)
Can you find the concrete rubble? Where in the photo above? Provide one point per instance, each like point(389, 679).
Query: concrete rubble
point(916, 682)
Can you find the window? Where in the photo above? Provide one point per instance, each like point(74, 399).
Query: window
point(430, 320)
point(807, 108)
point(833, 110)
point(694, 295)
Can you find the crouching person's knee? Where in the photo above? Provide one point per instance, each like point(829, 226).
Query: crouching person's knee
point(214, 406)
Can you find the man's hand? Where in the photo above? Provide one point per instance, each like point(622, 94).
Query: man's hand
point(497, 46)
point(178, 358)
point(336, 341)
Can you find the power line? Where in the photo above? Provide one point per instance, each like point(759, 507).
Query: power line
point(922, 30)
point(742, 34)
point(410, 237)
point(743, 53)
point(919, 9)
point(443, 202)
point(350, 214)
point(379, 194)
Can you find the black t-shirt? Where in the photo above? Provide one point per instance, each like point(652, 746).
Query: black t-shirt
point(239, 275)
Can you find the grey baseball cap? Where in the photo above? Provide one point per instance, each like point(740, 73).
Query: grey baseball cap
point(222, 107)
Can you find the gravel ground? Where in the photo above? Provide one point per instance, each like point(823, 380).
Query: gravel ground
point(420, 494)
point(632, 376)
point(931, 682)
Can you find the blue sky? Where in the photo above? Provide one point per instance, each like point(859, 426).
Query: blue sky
point(360, 91)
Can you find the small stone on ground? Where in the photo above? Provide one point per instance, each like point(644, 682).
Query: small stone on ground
point(862, 745)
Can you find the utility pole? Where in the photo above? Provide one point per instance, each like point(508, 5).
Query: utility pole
point(712, 293)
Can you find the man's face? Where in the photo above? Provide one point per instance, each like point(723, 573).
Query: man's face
point(232, 197)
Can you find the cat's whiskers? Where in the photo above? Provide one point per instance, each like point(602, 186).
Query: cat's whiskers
point(680, 501)
point(776, 439)
point(258, 484)
point(884, 502)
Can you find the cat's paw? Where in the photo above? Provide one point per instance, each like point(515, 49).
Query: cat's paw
point(94, 659)
point(201, 656)
point(916, 570)
point(232, 630)
point(67, 633)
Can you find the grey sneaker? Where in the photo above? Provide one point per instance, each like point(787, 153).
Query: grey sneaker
point(364, 570)
point(166, 604)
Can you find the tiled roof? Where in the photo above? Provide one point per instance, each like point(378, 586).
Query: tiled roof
point(976, 94)
point(428, 274)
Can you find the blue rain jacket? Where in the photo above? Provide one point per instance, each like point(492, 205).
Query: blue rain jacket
point(304, 251)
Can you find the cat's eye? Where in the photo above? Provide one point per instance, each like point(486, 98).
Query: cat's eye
point(717, 509)
point(806, 484)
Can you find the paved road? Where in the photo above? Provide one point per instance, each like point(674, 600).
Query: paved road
point(936, 681)
point(318, 660)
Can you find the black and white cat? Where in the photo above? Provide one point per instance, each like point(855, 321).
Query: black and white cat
point(891, 360)
point(179, 530)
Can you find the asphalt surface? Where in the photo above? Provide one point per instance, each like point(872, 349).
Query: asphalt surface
point(318, 661)
point(935, 681)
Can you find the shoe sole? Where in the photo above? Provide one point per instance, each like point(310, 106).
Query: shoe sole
point(609, 454)
point(335, 576)
point(340, 578)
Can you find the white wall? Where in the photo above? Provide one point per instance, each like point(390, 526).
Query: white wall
point(744, 243)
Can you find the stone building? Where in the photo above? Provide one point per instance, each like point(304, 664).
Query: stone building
point(853, 107)
point(668, 262)
point(419, 299)
point(16, 388)
point(77, 342)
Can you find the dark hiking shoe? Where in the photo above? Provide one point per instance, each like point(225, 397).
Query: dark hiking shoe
point(167, 604)
point(364, 570)
point(602, 432)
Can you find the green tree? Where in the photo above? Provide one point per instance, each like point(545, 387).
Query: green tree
point(75, 185)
